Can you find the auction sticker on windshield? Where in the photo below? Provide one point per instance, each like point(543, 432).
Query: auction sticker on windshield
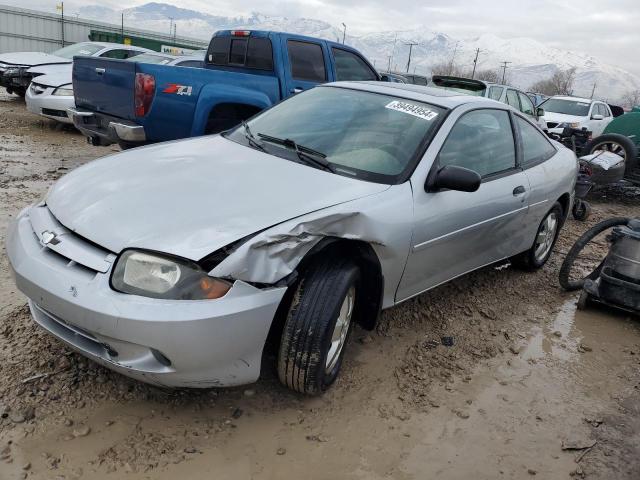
point(412, 109)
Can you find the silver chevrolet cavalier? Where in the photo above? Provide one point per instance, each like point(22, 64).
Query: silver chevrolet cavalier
point(174, 263)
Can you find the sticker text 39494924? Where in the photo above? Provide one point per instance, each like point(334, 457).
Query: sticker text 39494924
point(412, 109)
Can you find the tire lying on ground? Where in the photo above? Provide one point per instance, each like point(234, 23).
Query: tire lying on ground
point(618, 144)
point(317, 326)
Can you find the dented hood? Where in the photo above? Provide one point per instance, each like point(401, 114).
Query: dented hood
point(32, 58)
point(192, 197)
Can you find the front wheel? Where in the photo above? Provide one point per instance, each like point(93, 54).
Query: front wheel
point(317, 326)
point(545, 240)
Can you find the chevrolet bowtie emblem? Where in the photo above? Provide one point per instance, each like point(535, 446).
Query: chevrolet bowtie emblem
point(49, 238)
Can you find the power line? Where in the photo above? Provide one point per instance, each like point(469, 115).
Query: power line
point(504, 70)
point(411, 44)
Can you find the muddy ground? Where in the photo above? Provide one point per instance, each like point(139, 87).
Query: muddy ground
point(527, 377)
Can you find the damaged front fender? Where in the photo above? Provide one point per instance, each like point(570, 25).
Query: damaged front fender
point(383, 221)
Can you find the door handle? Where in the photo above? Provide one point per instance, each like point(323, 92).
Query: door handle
point(296, 90)
point(520, 190)
point(100, 71)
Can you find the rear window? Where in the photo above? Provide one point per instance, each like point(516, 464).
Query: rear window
point(248, 52)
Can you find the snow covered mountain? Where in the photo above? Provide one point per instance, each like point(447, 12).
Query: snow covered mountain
point(530, 60)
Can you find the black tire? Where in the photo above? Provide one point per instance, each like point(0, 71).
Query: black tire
point(630, 149)
point(20, 91)
point(528, 260)
point(581, 210)
point(310, 322)
point(565, 270)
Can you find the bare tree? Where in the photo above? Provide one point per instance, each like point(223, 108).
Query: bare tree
point(489, 76)
point(560, 83)
point(631, 98)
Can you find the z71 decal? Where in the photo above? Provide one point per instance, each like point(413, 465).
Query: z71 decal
point(178, 89)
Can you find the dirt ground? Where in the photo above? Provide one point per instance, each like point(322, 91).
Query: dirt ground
point(527, 378)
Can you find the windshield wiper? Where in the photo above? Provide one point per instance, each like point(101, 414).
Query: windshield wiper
point(306, 154)
point(253, 141)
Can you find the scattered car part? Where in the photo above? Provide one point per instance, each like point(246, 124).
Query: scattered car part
point(620, 145)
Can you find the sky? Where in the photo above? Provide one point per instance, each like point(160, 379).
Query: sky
point(607, 29)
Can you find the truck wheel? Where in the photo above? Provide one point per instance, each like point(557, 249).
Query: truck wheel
point(543, 244)
point(618, 144)
point(317, 326)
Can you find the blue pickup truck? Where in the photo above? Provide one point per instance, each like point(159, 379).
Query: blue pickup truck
point(133, 103)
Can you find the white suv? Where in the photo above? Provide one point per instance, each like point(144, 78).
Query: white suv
point(575, 112)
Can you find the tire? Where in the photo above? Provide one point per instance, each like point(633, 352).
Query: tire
point(565, 270)
point(321, 297)
point(533, 259)
point(581, 210)
point(624, 143)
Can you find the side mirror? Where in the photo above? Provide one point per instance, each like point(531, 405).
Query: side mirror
point(597, 117)
point(451, 177)
point(540, 112)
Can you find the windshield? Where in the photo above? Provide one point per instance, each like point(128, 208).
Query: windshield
point(150, 58)
point(71, 51)
point(567, 107)
point(367, 135)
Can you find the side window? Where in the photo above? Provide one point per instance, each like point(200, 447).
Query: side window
point(607, 110)
point(512, 99)
point(495, 93)
point(120, 54)
point(481, 140)
point(420, 81)
point(307, 61)
point(535, 146)
point(526, 104)
point(351, 67)
point(602, 110)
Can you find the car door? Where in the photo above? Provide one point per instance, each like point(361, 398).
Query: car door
point(535, 153)
point(306, 65)
point(594, 123)
point(457, 232)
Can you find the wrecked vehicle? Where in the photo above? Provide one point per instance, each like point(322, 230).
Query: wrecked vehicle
point(174, 263)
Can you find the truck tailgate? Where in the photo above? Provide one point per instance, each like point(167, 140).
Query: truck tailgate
point(104, 85)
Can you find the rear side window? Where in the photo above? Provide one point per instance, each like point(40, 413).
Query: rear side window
point(495, 93)
point(535, 146)
point(351, 67)
point(307, 61)
point(245, 52)
point(482, 141)
point(526, 104)
point(512, 99)
point(120, 54)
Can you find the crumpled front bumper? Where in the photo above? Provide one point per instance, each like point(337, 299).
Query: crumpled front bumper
point(204, 343)
point(41, 101)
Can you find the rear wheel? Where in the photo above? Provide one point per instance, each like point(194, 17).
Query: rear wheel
point(543, 244)
point(317, 326)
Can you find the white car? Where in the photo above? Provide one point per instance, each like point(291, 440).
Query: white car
point(575, 112)
point(51, 94)
point(17, 69)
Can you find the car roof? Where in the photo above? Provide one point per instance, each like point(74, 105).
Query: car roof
point(575, 99)
point(437, 96)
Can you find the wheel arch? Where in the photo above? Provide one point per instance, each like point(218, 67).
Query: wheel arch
point(368, 305)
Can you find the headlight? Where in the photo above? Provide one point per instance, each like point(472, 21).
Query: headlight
point(63, 92)
point(156, 276)
point(569, 125)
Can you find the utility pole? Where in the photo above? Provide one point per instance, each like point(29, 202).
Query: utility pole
point(504, 70)
point(593, 91)
point(170, 25)
point(475, 62)
point(175, 28)
point(61, 8)
point(122, 26)
point(344, 33)
point(393, 50)
point(410, 44)
point(389, 67)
